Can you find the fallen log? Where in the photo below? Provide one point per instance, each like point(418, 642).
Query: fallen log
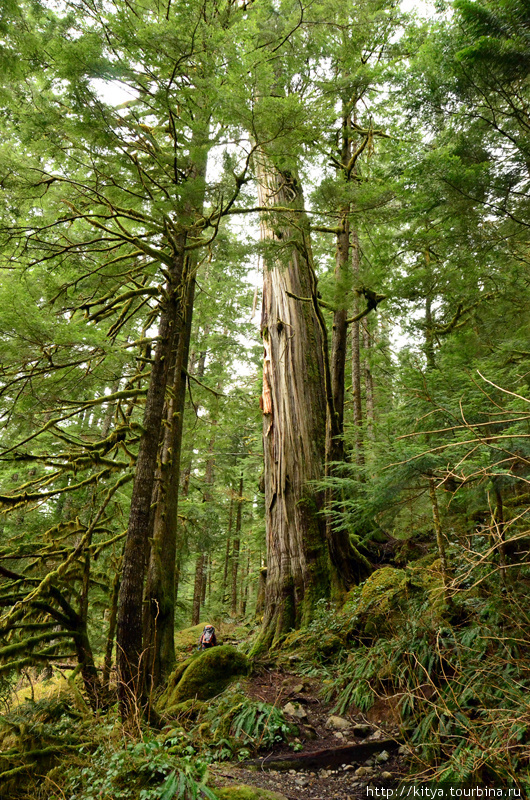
point(323, 759)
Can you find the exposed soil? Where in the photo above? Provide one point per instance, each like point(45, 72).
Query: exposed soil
point(358, 769)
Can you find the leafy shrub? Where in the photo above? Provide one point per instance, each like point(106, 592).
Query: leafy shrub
point(145, 770)
point(237, 724)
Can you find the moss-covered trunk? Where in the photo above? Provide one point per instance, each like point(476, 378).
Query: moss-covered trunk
point(159, 607)
point(113, 615)
point(130, 603)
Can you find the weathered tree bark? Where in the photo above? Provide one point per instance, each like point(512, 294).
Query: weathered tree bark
point(205, 569)
point(330, 757)
point(113, 615)
point(429, 323)
point(260, 598)
point(235, 548)
point(429, 334)
point(85, 658)
point(499, 525)
point(368, 380)
point(209, 477)
point(178, 567)
point(294, 412)
point(440, 539)
point(109, 413)
point(356, 369)
point(130, 604)
point(244, 587)
point(350, 565)
point(197, 589)
point(159, 606)
point(339, 342)
point(227, 551)
point(153, 515)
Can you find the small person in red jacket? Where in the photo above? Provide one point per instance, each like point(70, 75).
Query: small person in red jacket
point(208, 638)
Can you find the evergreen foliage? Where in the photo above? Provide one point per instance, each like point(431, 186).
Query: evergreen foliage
point(137, 139)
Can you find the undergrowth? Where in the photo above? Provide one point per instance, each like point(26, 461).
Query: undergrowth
point(458, 673)
point(149, 769)
point(52, 750)
point(234, 725)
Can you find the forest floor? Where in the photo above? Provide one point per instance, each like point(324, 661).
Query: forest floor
point(319, 735)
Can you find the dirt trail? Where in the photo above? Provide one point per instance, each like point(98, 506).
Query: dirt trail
point(345, 781)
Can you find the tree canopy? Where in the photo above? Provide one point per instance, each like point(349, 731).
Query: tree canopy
point(355, 174)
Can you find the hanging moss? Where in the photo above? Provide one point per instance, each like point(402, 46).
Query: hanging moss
point(247, 793)
point(203, 676)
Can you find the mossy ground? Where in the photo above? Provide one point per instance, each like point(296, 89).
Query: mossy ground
point(187, 638)
point(395, 637)
point(247, 793)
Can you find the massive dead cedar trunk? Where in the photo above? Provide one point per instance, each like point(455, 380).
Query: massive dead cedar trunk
point(159, 607)
point(130, 604)
point(294, 412)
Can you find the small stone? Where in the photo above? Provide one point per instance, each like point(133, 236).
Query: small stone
point(338, 723)
point(302, 781)
point(369, 762)
point(338, 735)
point(313, 774)
point(347, 767)
point(294, 710)
point(360, 772)
point(404, 750)
point(361, 730)
point(324, 773)
point(298, 688)
point(386, 775)
point(377, 735)
point(382, 757)
point(292, 772)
